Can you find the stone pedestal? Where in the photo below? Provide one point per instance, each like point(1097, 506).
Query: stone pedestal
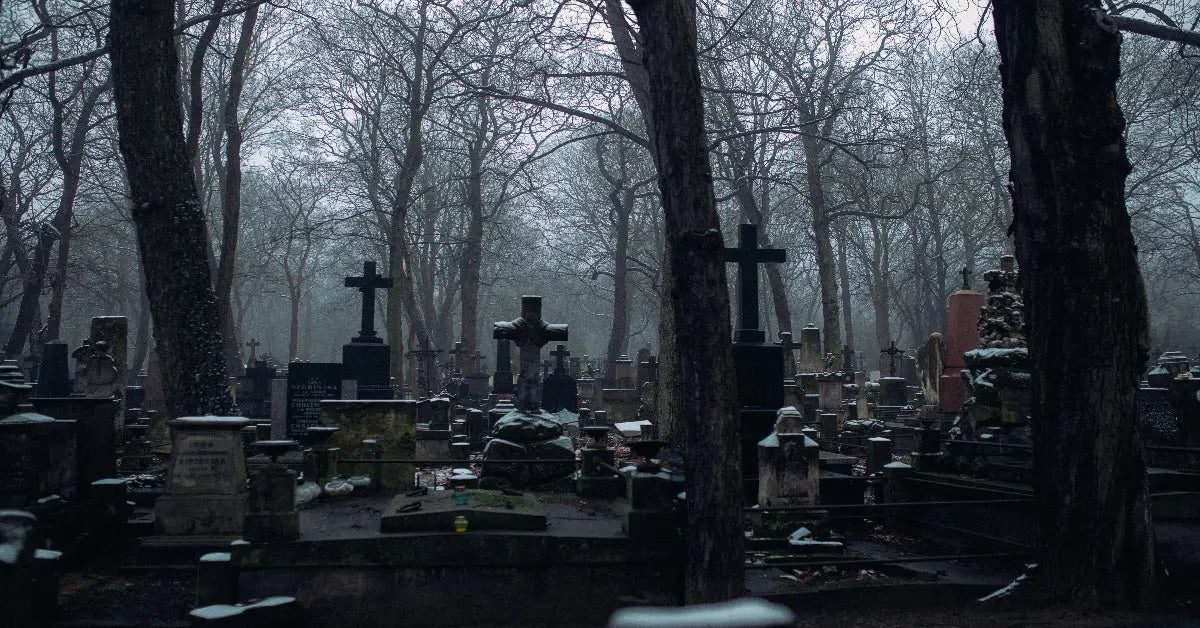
point(206, 478)
point(272, 512)
point(759, 368)
point(391, 423)
point(368, 364)
point(962, 335)
point(788, 471)
point(596, 480)
point(54, 372)
point(651, 504)
point(477, 428)
point(37, 459)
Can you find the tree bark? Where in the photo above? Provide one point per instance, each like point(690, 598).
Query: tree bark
point(472, 256)
point(699, 302)
point(231, 204)
point(1085, 307)
point(825, 260)
point(166, 208)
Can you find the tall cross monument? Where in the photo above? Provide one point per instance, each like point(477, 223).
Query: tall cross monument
point(530, 333)
point(748, 256)
point(366, 359)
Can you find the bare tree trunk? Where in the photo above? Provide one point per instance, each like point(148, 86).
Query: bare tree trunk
point(472, 256)
point(166, 208)
point(699, 302)
point(1085, 307)
point(31, 292)
point(621, 200)
point(844, 276)
point(826, 262)
point(231, 204)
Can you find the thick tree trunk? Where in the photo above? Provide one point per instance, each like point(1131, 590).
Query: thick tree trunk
point(826, 262)
point(31, 292)
point(699, 302)
point(166, 209)
point(621, 199)
point(844, 277)
point(472, 256)
point(1085, 308)
point(231, 203)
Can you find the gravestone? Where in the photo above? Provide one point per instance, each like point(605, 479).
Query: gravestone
point(502, 380)
point(114, 330)
point(758, 364)
point(931, 359)
point(528, 431)
point(962, 335)
point(308, 384)
point(560, 391)
point(37, 452)
point(54, 372)
point(789, 354)
point(205, 492)
point(810, 350)
point(788, 464)
point(366, 359)
point(255, 387)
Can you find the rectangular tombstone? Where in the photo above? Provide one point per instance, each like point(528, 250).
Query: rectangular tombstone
point(308, 384)
point(206, 478)
point(279, 391)
point(621, 404)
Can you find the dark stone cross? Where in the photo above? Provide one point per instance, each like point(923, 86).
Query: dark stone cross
point(893, 353)
point(560, 354)
point(530, 333)
point(253, 344)
point(966, 275)
point(368, 284)
point(748, 256)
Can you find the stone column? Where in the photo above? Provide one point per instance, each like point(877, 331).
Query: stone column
point(962, 335)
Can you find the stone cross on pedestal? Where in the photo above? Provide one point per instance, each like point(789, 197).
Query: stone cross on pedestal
point(560, 354)
point(253, 344)
point(893, 354)
point(966, 275)
point(368, 284)
point(530, 333)
point(460, 357)
point(748, 256)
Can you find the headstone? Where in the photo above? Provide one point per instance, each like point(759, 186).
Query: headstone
point(308, 384)
point(366, 359)
point(502, 380)
point(54, 372)
point(205, 492)
point(279, 393)
point(789, 354)
point(560, 391)
point(37, 452)
point(788, 465)
point(962, 335)
point(530, 333)
point(931, 359)
point(810, 350)
point(114, 330)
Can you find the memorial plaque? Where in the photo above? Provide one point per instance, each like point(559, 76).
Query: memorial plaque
point(308, 383)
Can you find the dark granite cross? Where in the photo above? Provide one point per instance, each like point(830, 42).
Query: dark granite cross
point(530, 333)
point(368, 284)
point(560, 354)
point(748, 256)
point(253, 344)
point(893, 353)
point(966, 275)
